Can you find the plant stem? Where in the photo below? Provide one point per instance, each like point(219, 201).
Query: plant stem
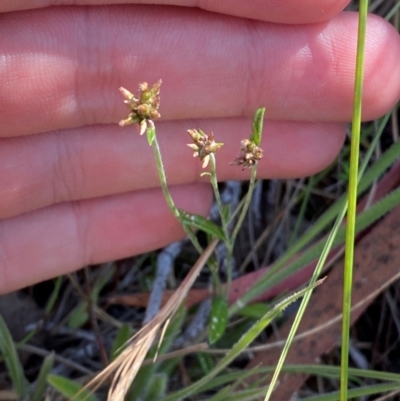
point(352, 200)
point(246, 204)
point(225, 228)
point(168, 197)
point(214, 183)
point(231, 240)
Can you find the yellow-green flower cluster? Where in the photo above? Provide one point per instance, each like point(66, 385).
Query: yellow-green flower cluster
point(203, 145)
point(144, 108)
point(250, 154)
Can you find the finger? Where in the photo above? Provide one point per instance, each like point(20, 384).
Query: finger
point(63, 238)
point(284, 11)
point(211, 66)
point(40, 170)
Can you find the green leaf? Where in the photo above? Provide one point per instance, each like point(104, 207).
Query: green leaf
point(206, 362)
point(123, 335)
point(157, 387)
point(218, 319)
point(41, 383)
point(202, 223)
point(79, 316)
point(70, 389)
point(10, 356)
point(151, 134)
point(257, 126)
point(225, 213)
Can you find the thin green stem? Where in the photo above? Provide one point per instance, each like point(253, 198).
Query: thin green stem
point(352, 200)
point(224, 223)
point(168, 197)
point(230, 245)
point(246, 203)
point(214, 184)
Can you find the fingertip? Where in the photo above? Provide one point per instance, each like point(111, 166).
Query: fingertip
point(307, 151)
point(381, 89)
point(60, 239)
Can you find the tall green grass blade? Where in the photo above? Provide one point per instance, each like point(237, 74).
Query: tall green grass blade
point(227, 391)
point(329, 372)
point(352, 199)
point(356, 393)
point(41, 382)
point(245, 395)
point(10, 357)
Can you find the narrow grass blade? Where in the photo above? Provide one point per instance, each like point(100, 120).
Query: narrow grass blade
point(41, 382)
point(352, 199)
point(123, 335)
point(54, 295)
point(357, 393)
point(10, 357)
point(70, 389)
point(331, 372)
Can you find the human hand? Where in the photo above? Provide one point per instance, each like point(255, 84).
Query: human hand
point(77, 189)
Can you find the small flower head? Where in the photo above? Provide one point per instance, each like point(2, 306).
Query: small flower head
point(144, 108)
point(203, 145)
point(250, 154)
